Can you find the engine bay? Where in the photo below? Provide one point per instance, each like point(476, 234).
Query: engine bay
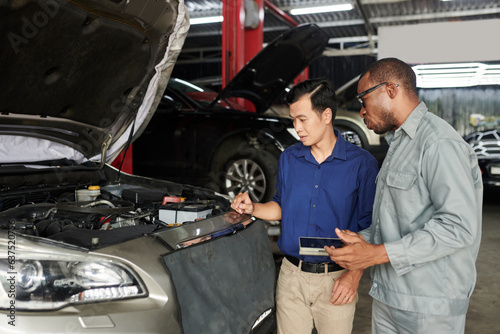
point(98, 213)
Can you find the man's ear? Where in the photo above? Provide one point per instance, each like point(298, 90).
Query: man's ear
point(327, 115)
point(392, 90)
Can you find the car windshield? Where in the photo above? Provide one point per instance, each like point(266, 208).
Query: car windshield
point(202, 95)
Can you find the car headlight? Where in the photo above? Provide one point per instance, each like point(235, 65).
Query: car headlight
point(51, 283)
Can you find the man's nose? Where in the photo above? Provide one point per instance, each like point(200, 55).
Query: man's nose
point(362, 112)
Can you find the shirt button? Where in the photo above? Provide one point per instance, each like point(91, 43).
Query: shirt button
point(314, 205)
point(375, 285)
point(316, 186)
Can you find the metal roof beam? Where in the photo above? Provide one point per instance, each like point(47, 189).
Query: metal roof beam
point(378, 20)
point(444, 15)
point(350, 52)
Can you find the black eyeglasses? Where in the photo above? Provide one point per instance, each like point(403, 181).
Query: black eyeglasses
point(369, 90)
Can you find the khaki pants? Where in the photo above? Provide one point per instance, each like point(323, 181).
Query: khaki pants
point(303, 301)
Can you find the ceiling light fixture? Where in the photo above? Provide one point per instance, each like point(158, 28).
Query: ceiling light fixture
point(321, 9)
point(457, 75)
point(206, 19)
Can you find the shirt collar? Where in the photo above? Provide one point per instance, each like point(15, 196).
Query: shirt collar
point(411, 124)
point(339, 150)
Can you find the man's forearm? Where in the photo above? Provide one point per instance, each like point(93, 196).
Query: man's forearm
point(268, 211)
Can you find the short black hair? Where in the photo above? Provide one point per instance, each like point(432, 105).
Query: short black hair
point(320, 91)
point(392, 70)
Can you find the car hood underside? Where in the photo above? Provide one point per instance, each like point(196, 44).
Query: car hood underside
point(76, 74)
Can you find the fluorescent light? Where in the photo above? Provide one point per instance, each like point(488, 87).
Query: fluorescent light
point(457, 75)
point(206, 19)
point(321, 9)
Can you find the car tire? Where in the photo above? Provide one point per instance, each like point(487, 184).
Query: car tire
point(254, 172)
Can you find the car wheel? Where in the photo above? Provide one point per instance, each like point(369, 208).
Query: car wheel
point(351, 136)
point(253, 172)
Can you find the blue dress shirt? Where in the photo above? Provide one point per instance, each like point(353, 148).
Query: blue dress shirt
point(316, 198)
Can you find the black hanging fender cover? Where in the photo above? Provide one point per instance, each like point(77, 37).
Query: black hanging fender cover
point(225, 284)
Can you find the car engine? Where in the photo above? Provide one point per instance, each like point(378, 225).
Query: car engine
point(102, 215)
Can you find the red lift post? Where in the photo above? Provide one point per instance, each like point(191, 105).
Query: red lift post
point(240, 41)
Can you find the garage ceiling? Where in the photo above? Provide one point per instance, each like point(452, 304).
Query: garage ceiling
point(352, 32)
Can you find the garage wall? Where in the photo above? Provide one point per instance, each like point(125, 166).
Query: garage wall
point(455, 105)
point(193, 72)
point(443, 42)
point(340, 69)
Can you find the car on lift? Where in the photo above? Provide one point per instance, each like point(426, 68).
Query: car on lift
point(83, 246)
point(221, 142)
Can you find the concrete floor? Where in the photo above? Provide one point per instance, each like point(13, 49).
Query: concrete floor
point(483, 315)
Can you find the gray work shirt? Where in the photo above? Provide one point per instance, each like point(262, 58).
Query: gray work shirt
point(427, 213)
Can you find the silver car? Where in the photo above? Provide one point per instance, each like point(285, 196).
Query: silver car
point(85, 248)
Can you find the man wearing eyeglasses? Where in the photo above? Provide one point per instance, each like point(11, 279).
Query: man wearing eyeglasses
point(424, 240)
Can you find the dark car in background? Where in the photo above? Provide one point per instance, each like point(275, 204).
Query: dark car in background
point(226, 148)
point(215, 141)
point(486, 144)
point(85, 248)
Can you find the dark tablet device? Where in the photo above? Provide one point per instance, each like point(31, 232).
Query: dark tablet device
point(315, 246)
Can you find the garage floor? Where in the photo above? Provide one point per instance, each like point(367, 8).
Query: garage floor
point(483, 316)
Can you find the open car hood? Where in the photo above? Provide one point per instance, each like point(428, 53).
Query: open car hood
point(268, 73)
point(76, 74)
